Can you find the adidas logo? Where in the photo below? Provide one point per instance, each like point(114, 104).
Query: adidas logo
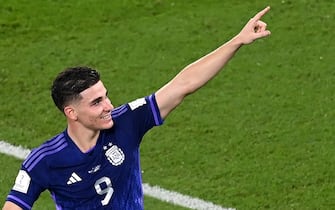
point(73, 179)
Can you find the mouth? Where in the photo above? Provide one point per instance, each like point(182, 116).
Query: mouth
point(107, 116)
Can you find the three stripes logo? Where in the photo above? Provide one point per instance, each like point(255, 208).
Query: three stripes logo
point(73, 179)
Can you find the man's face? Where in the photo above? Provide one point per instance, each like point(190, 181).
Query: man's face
point(94, 109)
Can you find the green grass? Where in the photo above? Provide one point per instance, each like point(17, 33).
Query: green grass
point(258, 136)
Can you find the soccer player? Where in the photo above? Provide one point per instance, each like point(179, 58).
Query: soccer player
point(94, 162)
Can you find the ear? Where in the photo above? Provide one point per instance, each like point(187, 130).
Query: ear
point(70, 113)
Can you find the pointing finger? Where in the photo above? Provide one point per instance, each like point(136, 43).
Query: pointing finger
point(259, 15)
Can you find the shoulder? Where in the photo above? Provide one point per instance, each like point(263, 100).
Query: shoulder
point(141, 109)
point(128, 108)
point(41, 154)
point(144, 103)
point(119, 111)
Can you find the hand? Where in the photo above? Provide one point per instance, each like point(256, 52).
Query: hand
point(254, 29)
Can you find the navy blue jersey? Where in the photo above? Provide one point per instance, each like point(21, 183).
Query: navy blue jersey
point(106, 177)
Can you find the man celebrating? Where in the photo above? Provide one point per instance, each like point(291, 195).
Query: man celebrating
point(94, 162)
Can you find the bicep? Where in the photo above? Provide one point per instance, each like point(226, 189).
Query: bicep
point(169, 97)
point(11, 206)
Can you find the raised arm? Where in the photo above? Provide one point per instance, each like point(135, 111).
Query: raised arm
point(197, 74)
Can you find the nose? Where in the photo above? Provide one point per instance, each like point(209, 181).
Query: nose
point(108, 105)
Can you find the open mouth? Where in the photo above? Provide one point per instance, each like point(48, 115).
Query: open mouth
point(106, 117)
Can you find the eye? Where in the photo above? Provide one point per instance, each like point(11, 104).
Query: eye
point(96, 102)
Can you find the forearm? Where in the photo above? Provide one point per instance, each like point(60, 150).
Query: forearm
point(194, 76)
point(198, 73)
point(10, 206)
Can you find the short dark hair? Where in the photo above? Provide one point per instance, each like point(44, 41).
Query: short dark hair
point(69, 83)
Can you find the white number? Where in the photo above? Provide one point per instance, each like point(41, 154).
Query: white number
point(108, 190)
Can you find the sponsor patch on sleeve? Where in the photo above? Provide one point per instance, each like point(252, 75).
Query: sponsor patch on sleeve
point(22, 182)
point(137, 103)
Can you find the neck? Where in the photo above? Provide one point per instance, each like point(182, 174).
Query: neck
point(85, 139)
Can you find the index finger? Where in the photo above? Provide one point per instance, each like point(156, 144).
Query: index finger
point(260, 14)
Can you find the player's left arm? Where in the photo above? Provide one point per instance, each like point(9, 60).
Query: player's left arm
point(197, 74)
point(11, 206)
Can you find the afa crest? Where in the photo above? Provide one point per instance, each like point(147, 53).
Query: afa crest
point(114, 154)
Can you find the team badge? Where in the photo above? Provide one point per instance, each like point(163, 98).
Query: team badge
point(114, 154)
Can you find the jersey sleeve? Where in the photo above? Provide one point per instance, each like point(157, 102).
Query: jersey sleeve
point(137, 116)
point(155, 110)
point(26, 190)
point(145, 113)
point(29, 183)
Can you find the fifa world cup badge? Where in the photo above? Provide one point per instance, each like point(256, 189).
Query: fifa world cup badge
point(114, 154)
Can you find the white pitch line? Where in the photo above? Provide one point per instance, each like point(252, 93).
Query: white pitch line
point(16, 151)
point(179, 199)
point(152, 191)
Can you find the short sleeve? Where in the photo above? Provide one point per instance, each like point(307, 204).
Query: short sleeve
point(25, 191)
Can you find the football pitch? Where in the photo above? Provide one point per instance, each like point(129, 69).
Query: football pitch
point(258, 136)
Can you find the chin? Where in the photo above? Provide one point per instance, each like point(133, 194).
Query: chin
point(108, 125)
